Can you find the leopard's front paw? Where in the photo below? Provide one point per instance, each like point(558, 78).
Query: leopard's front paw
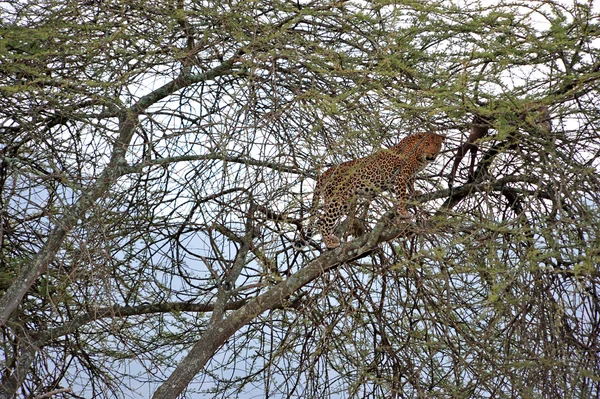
point(403, 214)
point(331, 241)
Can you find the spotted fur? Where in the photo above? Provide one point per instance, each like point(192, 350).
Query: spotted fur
point(393, 169)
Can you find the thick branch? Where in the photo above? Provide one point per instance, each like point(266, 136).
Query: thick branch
point(226, 286)
point(463, 191)
point(118, 311)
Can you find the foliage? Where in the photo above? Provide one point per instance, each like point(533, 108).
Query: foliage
point(157, 159)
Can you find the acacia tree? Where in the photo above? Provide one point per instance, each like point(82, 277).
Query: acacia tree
point(158, 161)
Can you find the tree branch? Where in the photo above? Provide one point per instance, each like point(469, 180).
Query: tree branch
point(116, 168)
point(219, 331)
point(225, 158)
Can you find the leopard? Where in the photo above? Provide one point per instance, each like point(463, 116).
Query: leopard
point(391, 169)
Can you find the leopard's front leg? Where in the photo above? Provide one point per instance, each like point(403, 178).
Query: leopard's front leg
point(411, 188)
point(332, 212)
point(403, 183)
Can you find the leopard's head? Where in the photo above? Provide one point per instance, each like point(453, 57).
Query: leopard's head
point(429, 146)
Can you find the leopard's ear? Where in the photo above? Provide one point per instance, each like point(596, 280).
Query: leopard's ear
point(442, 136)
